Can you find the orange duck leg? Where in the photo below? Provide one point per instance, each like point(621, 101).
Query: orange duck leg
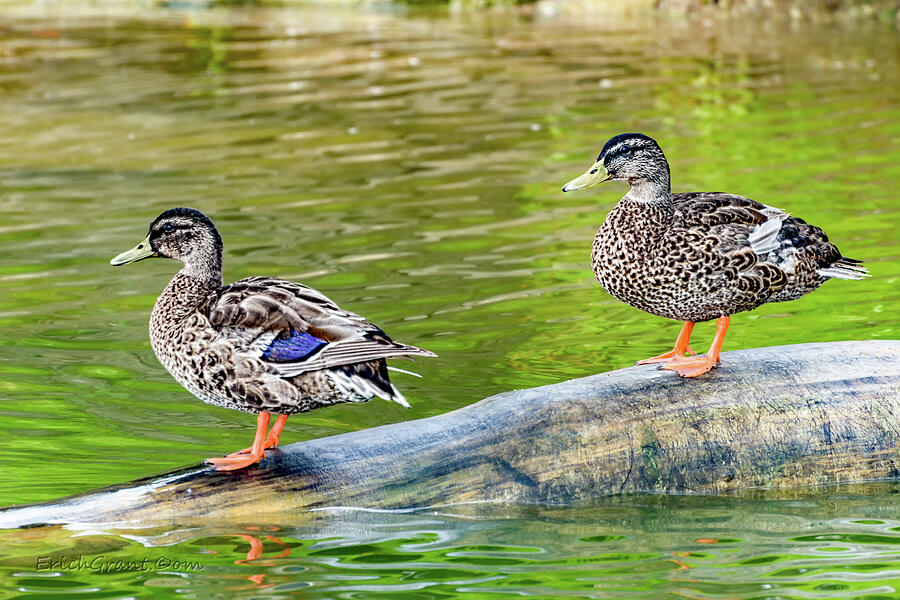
point(271, 439)
point(698, 365)
point(256, 452)
point(681, 347)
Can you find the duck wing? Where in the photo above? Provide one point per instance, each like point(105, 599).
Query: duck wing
point(765, 248)
point(708, 209)
point(296, 329)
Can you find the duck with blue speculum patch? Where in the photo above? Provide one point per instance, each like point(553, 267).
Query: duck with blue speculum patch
point(259, 345)
point(699, 256)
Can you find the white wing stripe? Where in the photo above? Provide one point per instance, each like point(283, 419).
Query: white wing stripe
point(334, 356)
point(764, 238)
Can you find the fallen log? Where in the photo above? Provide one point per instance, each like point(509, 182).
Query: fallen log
point(799, 415)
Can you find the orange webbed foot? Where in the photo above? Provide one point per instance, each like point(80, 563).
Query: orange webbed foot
point(666, 356)
point(256, 452)
point(691, 367)
point(238, 453)
point(698, 365)
point(233, 463)
point(678, 351)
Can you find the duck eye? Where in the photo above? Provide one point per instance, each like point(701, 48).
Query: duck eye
point(169, 227)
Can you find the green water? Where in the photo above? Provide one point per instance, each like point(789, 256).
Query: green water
point(827, 545)
point(407, 162)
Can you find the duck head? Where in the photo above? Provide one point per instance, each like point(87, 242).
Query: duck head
point(631, 157)
point(182, 234)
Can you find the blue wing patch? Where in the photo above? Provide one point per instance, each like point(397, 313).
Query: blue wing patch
point(297, 346)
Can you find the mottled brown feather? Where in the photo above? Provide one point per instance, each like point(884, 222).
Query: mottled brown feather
point(214, 339)
point(690, 258)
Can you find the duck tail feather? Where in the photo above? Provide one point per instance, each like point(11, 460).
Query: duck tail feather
point(397, 397)
point(404, 371)
point(845, 268)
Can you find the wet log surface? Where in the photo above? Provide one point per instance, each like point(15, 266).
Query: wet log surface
point(798, 415)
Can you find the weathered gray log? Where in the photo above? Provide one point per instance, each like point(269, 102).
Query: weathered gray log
point(769, 417)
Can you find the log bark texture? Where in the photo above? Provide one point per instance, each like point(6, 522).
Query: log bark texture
point(798, 415)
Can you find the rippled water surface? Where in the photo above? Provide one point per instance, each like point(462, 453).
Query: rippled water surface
point(833, 544)
point(407, 162)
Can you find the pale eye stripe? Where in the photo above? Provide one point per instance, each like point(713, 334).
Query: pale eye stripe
point(623, 145)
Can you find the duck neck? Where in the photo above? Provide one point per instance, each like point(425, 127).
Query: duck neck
point(653, 199)
point(189, 288)
point(206, 272)
point(649, 206)
point(656, 190)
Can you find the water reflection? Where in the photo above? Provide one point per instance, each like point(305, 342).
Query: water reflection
point(787, 545)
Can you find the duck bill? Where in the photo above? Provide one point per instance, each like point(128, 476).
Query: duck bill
point(596, 174)
point(139, 252)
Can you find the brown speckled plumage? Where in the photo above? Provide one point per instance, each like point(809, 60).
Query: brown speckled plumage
point(700, 256)
point(214, 339)
point(690, 258)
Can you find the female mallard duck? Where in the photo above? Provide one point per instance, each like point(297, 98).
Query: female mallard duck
point(259, 345)
point(699, 256)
